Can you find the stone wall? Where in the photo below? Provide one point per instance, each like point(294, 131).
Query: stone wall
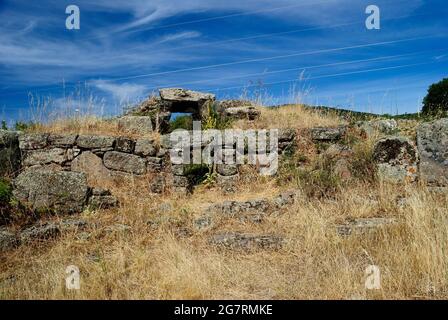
point(93, 155)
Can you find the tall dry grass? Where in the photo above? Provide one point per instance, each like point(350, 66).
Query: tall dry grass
point(290, 116)
point(158, 259)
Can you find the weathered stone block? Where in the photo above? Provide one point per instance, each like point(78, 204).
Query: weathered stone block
point(63, 192)
point(432, 143)
point(396, 159)
point(327, 134)
point(227, 169)
point(145, 147)
point(91, 165)
point(124, 145)
point(63, 141)
point(235, 240)
point(45, 156)
point(33, 141)
point(125, 162)
point(136, 124)
point(95, 142)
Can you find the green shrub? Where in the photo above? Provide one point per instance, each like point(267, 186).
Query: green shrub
point(4, 125)
point(182, 122)
point(24, 126)
point(436, 101)
point(5, 191)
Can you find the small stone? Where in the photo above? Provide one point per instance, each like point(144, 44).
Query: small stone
point(145, 147)
point(178, 169)
point(124, 145)
point(203, 222)
point(327, 134)
point(363, 225)
point(42, 231)
point(8, 240)
point(227, 169)
point(103, 202)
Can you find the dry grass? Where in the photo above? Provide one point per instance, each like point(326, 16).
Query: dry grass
point(156, 259)
point(290, 116)
point(89, 125)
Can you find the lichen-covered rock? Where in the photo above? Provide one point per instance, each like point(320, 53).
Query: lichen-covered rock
point(63, 192)
point(42, 231)
point(124, 145)
point(46, 156)
point(50, 230)
point(327, 134)
point(363, 225)
point(8, 240)
point(125, 162)
point(145, 147)
point(91, 165)
point(379, 127)
point(158, 184)
point(235, 240)
point(102, 199)
point(9, 153)
point(235, 207)
point(95, 142)
point(227, 169)
point(243, 112)
point(33, 141)
point(396, 159)
point(186, 101)
point(228, 183)
point(179, 95)
point(224, 104)
point(142, 125)
point(62, 141)
point(285, 199)
point(432, 143)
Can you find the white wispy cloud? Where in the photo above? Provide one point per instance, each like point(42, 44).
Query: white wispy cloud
point(122, 92)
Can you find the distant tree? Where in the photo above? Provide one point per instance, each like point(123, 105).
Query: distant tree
point(4, 125)
point(436, 101)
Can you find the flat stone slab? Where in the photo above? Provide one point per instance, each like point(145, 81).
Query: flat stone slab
point(363, 225)
point(235, 240)
point(327, 134)
point(178, 94)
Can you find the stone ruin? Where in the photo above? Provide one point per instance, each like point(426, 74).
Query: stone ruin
point(64, 173)
point(155, 113)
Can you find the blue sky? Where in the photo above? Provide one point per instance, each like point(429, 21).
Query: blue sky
point(317, 51)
